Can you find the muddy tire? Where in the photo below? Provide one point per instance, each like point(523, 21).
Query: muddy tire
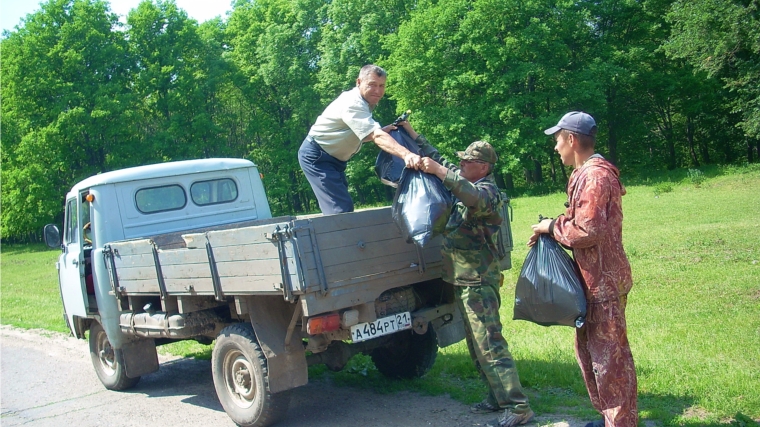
point(409, 355)
point(108, 363)
point(239, 368)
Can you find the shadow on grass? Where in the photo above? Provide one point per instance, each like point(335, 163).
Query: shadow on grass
point(553, 388)
point(25, 248)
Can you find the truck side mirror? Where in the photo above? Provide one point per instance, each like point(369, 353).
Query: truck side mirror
point(52, 236)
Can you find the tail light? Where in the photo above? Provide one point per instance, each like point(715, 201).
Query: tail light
point(321, 324)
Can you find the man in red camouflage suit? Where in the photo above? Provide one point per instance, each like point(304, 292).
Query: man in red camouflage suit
point(470, 262)
point(592, 227)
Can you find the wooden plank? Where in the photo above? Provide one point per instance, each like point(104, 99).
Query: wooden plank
point(192, 286)
point(250, 268)
point(389, 263)
point(358, 219)
point(186, 271)
point(269, 285)
point(182, 256)
point(133, 247)
point(371, 251)
point(136, 273)
point(126, 261)
point(177, 239)
point(254, 251)
point(140, 286)
point(242, 236)
point(351, 238)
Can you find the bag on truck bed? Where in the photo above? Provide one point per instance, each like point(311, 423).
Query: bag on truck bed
point(389, 167)
point(421, 206)
point(549, 291)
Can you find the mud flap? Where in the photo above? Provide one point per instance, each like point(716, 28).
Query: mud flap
point(449, 332)
point(286, 362)
point(140, 358)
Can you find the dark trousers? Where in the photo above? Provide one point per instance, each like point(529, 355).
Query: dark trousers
point(327, 176)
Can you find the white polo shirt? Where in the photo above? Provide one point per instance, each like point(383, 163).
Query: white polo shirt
point(340, 129)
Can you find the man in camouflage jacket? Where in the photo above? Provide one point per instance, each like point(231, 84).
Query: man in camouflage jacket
point(470, 261)
point(592, 226)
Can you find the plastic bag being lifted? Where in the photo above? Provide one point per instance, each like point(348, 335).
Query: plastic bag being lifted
point(389, 167)
point(421, 206)
point(549, 291)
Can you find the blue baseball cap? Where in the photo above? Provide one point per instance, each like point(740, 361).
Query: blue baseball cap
point(574, 121)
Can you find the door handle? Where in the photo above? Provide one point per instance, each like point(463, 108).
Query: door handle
point(75, 262)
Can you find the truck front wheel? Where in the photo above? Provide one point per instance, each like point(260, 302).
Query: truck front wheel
point(239, 368)
point(108, 362)
point(408, 355)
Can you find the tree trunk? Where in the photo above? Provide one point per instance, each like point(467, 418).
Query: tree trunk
point(295, 199)
point(552, 167)
point(537, 171)
point(612, 137)
point(750, 151)
point(690, 139)
point(562, 167)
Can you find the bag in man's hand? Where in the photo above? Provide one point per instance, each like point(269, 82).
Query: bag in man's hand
point(549, 291)
point(421, 206)
point(389, 167)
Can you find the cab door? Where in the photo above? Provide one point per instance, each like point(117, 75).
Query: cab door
point(71, 263)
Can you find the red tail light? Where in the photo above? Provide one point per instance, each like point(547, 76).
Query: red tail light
point(321, 324)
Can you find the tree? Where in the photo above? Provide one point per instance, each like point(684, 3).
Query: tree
point(176, 78)
point(66, 104)
point(721, 38)
point(273, 44)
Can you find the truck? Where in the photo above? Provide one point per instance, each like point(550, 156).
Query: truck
point(189, 250)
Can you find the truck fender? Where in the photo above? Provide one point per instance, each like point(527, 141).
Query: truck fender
point(445, 319)
point(108, 306)
point(270, 317)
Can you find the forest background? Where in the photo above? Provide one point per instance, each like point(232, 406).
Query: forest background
point(672, 84)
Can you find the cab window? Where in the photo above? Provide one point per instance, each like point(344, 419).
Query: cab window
point(160, 199)
point(213, 192)
point(71, 233)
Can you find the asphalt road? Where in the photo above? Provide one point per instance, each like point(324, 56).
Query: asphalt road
point(47, 379)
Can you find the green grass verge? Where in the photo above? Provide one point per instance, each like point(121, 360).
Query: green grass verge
point(694, 313)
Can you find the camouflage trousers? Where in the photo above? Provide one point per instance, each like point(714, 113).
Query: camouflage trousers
point(604, 355)
point(488, 348)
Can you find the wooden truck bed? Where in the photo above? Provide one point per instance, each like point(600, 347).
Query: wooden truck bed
point(331, 261)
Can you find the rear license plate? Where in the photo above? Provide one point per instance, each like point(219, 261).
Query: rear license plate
point(386, 325)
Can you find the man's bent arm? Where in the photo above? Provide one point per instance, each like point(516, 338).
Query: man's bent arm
point(388, 144)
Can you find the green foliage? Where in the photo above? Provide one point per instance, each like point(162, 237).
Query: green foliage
point(720, 37)
point(662, 188)
point(84, 93)
point(696, 177)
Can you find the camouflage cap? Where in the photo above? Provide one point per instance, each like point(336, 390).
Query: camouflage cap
point(479, 150)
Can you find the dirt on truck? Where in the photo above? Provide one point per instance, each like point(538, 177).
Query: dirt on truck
point(189, 251)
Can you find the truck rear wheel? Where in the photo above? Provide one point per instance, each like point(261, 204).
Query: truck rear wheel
point(408, 355)
point(240, 373)
point(108, 362)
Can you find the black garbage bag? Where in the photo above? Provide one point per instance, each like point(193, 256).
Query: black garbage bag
point(421, 206)
point(549, 291)
point(389, 167)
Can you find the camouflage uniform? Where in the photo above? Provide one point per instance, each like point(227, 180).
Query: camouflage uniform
point(471, 263)
point(592, 226)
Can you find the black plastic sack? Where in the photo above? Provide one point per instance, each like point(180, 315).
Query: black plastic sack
point(389, 167)
point(421, 206)
point(549, 291)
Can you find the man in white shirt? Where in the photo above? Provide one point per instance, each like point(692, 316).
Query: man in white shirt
point(339, 133)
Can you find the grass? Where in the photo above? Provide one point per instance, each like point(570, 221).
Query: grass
point(693, 314)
